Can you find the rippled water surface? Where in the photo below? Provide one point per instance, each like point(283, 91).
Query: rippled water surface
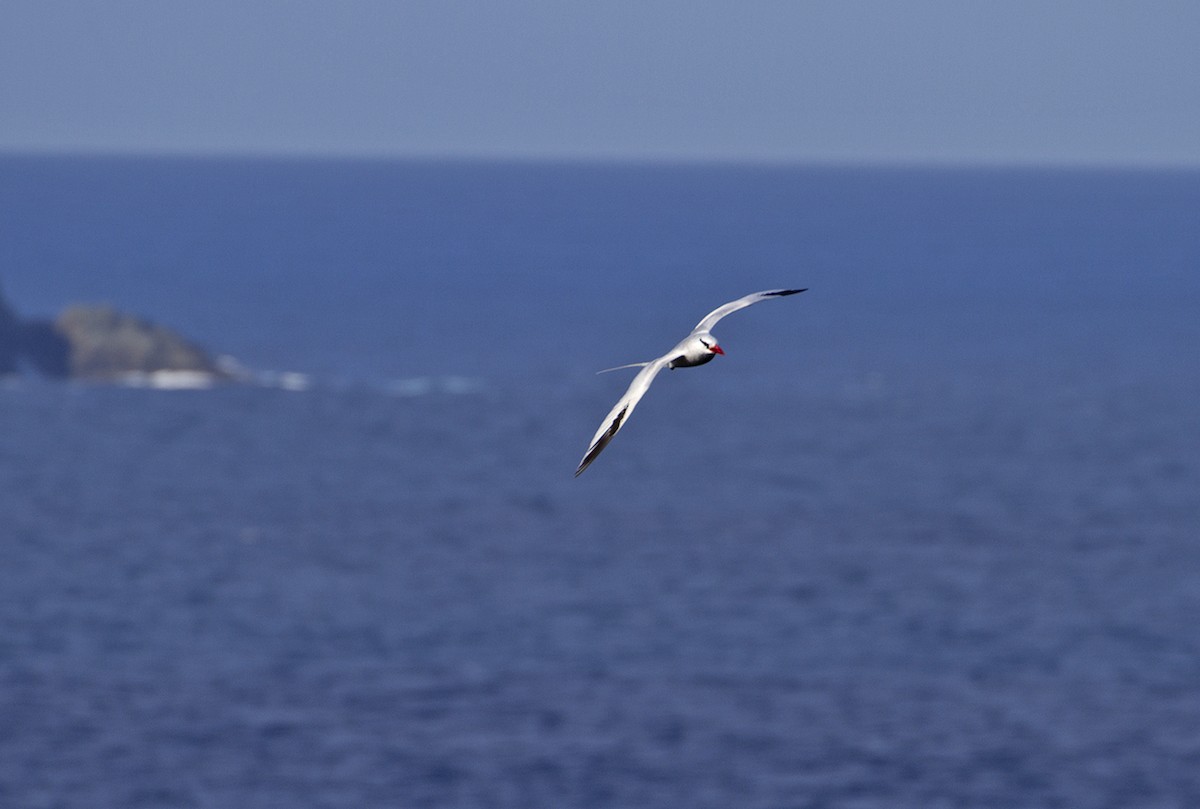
point(927, 535)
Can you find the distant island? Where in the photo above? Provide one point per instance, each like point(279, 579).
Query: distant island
point(99, 343)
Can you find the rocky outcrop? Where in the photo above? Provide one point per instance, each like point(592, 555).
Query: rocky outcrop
point(10, 327)
point(107, 344)
point(45, 349)
point(99, 343)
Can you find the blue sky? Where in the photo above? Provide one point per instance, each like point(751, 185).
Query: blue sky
point(924, 80)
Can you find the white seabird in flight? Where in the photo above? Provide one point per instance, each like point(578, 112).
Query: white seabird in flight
point(697, 348)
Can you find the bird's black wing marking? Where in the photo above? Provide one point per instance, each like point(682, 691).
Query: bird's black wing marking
point(715, 316)
point(602, 442)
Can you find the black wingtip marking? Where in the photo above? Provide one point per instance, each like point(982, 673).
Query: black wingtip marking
point(603, 442)
point(780, 293)
point(616, 425)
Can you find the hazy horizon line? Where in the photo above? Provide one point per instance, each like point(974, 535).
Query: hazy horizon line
point(566, 157)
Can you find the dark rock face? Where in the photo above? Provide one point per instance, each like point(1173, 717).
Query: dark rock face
point(9, 338)
point(45, 348)
point(106, 344)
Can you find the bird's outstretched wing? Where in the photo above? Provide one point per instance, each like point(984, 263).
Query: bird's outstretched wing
point(620, 413)
point(712, 317)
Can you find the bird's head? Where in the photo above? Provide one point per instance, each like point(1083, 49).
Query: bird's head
point(710, 344)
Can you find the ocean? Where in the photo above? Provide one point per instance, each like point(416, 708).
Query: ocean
point(927, 536)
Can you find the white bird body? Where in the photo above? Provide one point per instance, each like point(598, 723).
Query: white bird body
point(697, 348)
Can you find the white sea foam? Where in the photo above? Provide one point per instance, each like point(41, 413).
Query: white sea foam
point(424, 385)
point(170, 380)
point(284, 380)
point(413, 386)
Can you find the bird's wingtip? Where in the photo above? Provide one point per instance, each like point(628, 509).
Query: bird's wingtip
point(587, 459)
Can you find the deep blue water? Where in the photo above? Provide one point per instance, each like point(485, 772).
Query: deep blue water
point(929, 534)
